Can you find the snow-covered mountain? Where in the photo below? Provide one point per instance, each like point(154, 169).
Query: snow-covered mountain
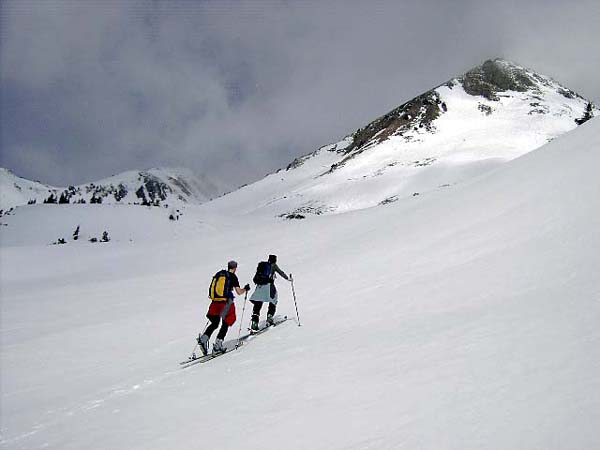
point(152, 187)
point(462, 128)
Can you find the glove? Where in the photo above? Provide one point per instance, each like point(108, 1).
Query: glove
point(247, 287)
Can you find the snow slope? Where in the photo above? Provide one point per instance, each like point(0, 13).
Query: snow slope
point(40, 225)
point(465, 318)
point(15, 190)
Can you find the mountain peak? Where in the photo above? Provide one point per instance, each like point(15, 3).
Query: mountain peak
point(498, 75)
point(485, 85)
point(470, 124)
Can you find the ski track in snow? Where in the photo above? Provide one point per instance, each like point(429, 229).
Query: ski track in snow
point(101, 400)
point(119, 391)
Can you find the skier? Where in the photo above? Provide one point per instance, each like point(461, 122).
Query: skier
point(265, 290)
point(221, 307)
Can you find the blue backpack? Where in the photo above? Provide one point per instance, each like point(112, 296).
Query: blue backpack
point(263, 274)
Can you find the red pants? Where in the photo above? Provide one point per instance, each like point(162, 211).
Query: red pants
point(225, 310)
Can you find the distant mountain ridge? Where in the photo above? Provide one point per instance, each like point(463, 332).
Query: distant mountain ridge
point(151, 187)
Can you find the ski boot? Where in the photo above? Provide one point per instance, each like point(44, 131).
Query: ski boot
point(254, 323)
point(218, 347)
point(203, 343)
point(270, 320)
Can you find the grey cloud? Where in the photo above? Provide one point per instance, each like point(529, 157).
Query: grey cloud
point(237, 89)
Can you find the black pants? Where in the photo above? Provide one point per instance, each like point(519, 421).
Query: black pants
point(257, 307)
point(214, 324)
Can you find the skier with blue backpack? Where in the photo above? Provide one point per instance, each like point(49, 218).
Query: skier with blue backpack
point(265, 291)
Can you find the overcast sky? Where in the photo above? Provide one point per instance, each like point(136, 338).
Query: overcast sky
point(238, 89)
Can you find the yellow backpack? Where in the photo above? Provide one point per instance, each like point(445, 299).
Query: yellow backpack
point(219, 290)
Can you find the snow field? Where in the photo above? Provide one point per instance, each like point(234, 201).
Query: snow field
point(463, 318)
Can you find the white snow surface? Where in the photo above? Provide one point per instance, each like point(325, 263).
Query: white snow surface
point(463, 318)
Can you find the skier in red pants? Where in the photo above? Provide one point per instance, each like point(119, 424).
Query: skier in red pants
point(222, 307)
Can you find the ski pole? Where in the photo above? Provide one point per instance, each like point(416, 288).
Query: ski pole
point(294, 294)
point(206, 326)
point(241, 321)
point(193, 355)
point(197, 343)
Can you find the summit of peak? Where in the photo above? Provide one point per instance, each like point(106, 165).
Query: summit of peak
point(499, 75)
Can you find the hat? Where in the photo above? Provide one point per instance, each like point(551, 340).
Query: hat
point(272, 258)
point(231, 264)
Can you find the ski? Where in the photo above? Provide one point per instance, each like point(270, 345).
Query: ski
point(278, 321)
point(194, 359)
point(204, 358)
point(266, 327)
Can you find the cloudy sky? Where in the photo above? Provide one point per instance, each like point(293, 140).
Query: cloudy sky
point(238, 89)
